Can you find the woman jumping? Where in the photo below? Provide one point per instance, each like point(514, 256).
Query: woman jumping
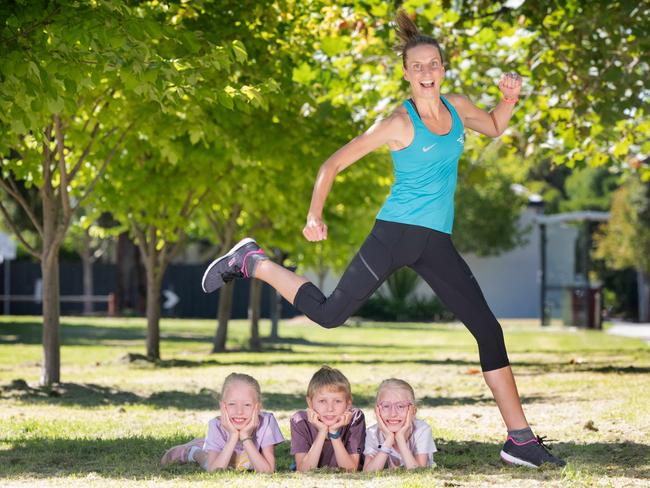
point(426, 138)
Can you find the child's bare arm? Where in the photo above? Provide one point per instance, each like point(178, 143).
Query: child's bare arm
point(221, 459)
point(408, 457)
point(309, 460)
point(345, 460)
point(376, 462)
point(262, 462)
point(401, 439)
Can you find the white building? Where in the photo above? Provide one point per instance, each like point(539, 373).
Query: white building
point(511, 281)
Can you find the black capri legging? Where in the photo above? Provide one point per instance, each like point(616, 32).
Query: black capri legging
point(432, 255)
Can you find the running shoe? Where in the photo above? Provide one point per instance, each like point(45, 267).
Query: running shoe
point(532, 453)
point(238, 263)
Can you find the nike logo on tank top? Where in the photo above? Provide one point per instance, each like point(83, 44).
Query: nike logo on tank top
point(425, 175)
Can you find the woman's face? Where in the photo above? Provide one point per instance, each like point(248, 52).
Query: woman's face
point(240, 400)
point(424, 70)
point(394, 404)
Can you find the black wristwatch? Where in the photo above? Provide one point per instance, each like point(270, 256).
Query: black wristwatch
point(334, 435)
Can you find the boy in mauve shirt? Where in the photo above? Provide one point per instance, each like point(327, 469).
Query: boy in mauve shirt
point(330, 433)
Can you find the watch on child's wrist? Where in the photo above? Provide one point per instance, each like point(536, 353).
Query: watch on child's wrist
point(334, 435)
point(385, 449)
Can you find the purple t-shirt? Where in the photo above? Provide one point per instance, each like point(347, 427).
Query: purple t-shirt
point(303, 434)
point(267, 434)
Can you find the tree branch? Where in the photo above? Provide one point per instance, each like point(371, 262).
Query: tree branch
point(47, 159)
point(464, 18)
point(97, 102)
point(101, 171)
point(85, 152)
point(18, 234)
point(186, 206)
point(63, 185)
point(30, 29)
point(263, 223)
point(217, 226)
point(12, 189)
point(175, 248)
point(152, 242)
point(141, 237)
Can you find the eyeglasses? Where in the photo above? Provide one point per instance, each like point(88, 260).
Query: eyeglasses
point(400, 407)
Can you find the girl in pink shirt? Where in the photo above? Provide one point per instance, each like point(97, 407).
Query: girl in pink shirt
point(243, 437)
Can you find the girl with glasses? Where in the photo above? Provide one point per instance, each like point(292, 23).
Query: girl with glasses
point(398, 439)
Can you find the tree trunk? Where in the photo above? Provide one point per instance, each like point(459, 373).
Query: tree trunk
point(87, 270)
point(154, 284)
point(276, 299)
point(254, 306)
point(276, 313)
point(130, 291)
point(51, 372)
point(643, 284)
point(223, 316)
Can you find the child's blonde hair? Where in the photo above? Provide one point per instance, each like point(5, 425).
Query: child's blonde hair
point(395, 383)
point(243, 378)
point(330, 378)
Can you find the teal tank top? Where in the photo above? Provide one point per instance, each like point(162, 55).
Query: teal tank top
point(425, 175)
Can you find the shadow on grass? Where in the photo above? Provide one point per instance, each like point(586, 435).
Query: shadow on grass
point(276, 359)
point(92, 395)
point(81, 335)
point(138, 457)
point(278, 351)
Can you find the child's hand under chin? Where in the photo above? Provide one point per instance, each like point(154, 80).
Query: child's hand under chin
point(388, 435)
point(342, 421)
point(315, 420)
point(225, 421)
point(250, 426)
point(404, 433)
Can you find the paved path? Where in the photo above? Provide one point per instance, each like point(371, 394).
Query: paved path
point(630, 329)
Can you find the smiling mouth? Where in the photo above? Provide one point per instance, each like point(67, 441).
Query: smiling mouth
point(427, 84)
point(238, 420)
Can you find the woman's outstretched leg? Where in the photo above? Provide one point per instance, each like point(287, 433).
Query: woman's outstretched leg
point(286, 282)
point(452, 280)
point(365, 273)
point(504, 389)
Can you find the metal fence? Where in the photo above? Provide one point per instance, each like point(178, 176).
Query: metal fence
point(181, 287)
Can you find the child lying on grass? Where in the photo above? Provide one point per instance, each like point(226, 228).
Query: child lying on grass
point(243, 437)
point(330, 432)
point(398, 439)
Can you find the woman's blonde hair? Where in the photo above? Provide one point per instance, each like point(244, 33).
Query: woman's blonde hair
point(410, 36)
point(243, 378)
point(395, 383)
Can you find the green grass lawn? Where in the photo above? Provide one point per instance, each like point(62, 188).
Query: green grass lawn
point(110, 420)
